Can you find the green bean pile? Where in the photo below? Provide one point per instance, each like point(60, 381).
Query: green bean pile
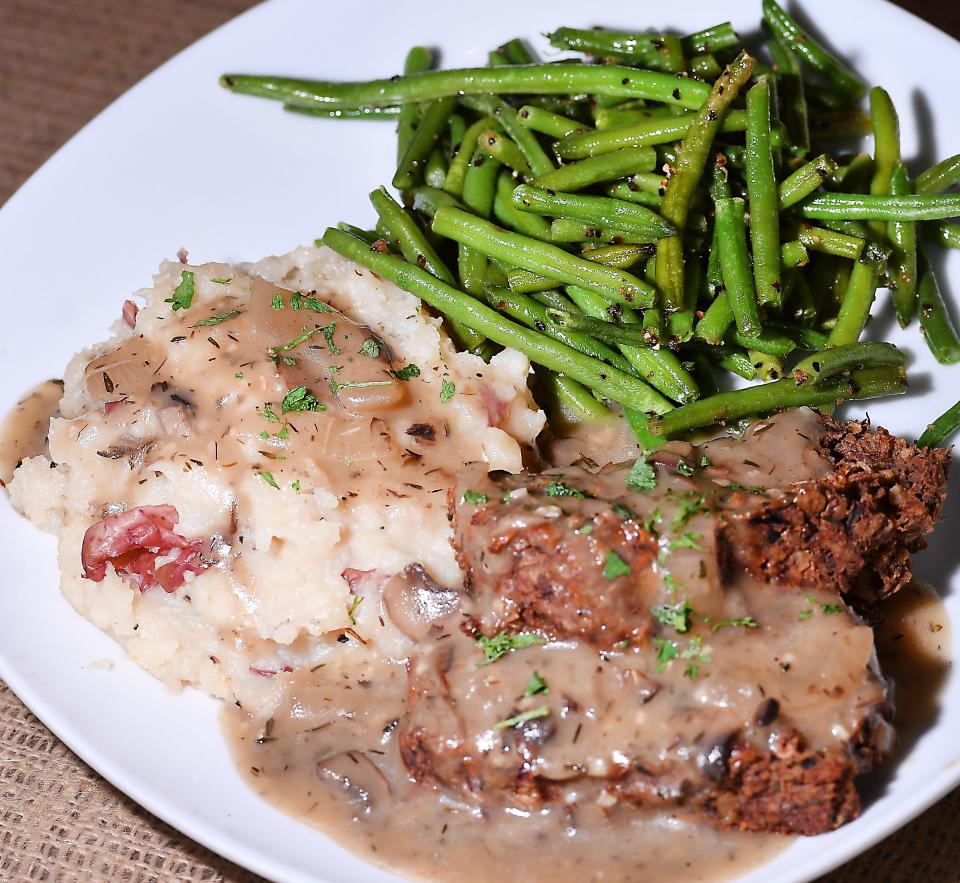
point(645, 219)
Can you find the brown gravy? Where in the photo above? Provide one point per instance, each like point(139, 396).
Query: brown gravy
point(24, 430)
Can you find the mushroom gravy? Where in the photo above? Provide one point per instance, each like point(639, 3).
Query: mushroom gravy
point(331, 753)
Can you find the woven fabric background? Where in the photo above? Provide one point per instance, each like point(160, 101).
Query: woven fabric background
point(61, 62)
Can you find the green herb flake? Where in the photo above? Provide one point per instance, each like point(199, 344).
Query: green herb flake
point(407, 373)
point(352, 608)
point(667, 650)
point(501, 644)
point(269, 414)
point(370, 348)
point(269, 479)
point(239, 375)
point(221, 281)
point(585, 529)
point(474, 498)
point(831, 608)
point(276, 302)
point(694, 653)
point(183, 293)
point(296, 301)
point(265, 435)
point(684, 468)
point(747, 622)
point(295, 485)
point(328, 331)
point(614, 566)
point(687, 540)
point(704, 461)
point(689, 504)
point(274, 351)
point(217, 319)
point(447, 391)
point(300, 399)
point(536, 685)
point(560, 489)
point(283, 434)
point(623, 512)
point(522, 718)
point(804, 614)
point(289, 362)
point(677, 615)
point(318, 306)
point(642, 476)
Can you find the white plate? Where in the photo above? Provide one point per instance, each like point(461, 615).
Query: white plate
point(177, 161)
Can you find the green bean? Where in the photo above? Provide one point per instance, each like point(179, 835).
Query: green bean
point(653, 326)
point(548, 260)
point(823, 366)
point(572, 403)
point(573, 230)
point(497, 58)
point(805, 180)
point(871, 383)
point(537, 160)
point(511, 217)
point(659, 130)
point(612, 117)
point(847, 228)
point(661, 368)
point(528, 79)
point(549, 123)
point(610, 166)
point(368, 236)
point(918, 207)
point(457, 171)
point(765, 341)
point(424, 139)
point(620, 256)
point(738, 363)
point(762, 193)
point(535, 315)
point(718, 317)
point(902, 267)
point(705, 66)
point(640, 197)
point(768, 367)
point(794, 254)
point(427, 200)
point(517, 52)
point(941, 429)
point(948, 235)
point(804, 336)
point(830, 242)
point(603, 211)
point(435, 168)
point(652, 51)
point(940, 177)
point(858, 298)
point(735, 265)
point(703, 372)
point(935, 324)
point(886, 140)
point(839, 125)
point(605, 379)
point(418, 59)
point(840, 76)
point(479, 188)
point(688, 170)
point(793, 102)
point(504, 150)
point(712, 39)
point(752, 401)
point(607, 332)
point(390, 112)
point(416, 248)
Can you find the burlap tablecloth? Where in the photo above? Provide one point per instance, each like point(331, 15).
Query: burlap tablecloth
point(61, 61)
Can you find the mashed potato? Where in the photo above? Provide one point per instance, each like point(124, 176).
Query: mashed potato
point(302, 418)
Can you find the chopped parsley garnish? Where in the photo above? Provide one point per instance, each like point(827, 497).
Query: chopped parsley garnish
point(560, 489)
point(831, 608)
point(748, 622)
point(276, 302)
point(269, 479)
point(217, 319)
point(501, 644)
point(289, 362)
point(522, 718)
point(274, 351)
point(688, 505)
point(684, 468)
point(352, 609)
point(183, 293)
point(221, 281)
point(295, 485)
point(677, 615)
point(642, 476)
point(687, 540)
point(585, 529)
point(328, 332)
point(269, 414)
point(536, 685)
point(239, 375)
point(667, 650)
point(407, 373)
point(614, 566)
point(805, 614)
point(704, 461)
point(300, 399)
point(447, 391)
point(265, 435)
point(370, 348)
point(474, 498)
point(284, 433)
point(298, 302)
